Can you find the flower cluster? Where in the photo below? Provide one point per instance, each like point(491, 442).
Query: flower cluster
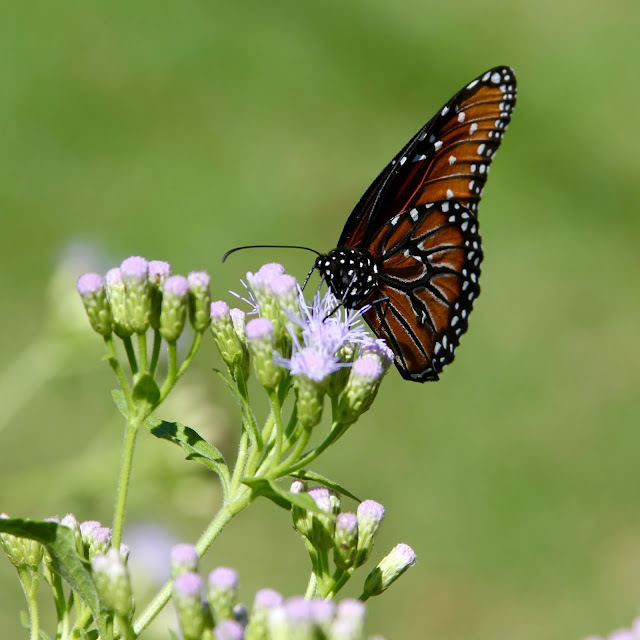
point(350, 538)
point(270, 618)
point(322, 348)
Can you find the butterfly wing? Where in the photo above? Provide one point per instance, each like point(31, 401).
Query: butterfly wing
point(430, 260)
point(449, 158)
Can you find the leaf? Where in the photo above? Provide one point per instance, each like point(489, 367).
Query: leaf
point(303, 474)
point(284, 499)
point(196, 447)
point(173, 635)
point(60, 542)
point(121, 403)
point(145, 393)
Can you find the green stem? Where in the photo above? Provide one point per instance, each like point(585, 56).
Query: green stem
point(237, 503)
point(29, 582)
point(197, 339)
point(155, 351)
point(338, 580)
point(131, 354)
point(115, 365)
point(123, 483)
point(239, 466)
point(276, 408)
point(289, 466)
point(62, 611)
point(142, 351)
point(172, 373)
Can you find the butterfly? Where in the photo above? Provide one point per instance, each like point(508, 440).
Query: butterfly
point(411, 248)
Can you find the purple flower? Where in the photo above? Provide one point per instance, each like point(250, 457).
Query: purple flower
point(134, 269)
point(184, 558)
point(89, 283)
point(224, 578)
point(159, 271)
point(188, 585)
point(314, 364)
point(267, 599)
point(228, 630)
point(219, 310)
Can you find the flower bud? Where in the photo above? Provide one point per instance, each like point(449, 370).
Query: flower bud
point(159, 271)
point(228, 630)
point(338, 380)
point(22, 552)
point(300, 522)
point(345, 540)
point(370, 516)
point(239, 321)
point(223, 589)
point(174, 308)
point(94, 297)
point(349, 621)
point(231, 349)
point(361, 389)
point(321, 526)
point(135, 273)
point(261, 342)
point(378, 348)
point(299, 619)
point(112, 582)
point(98, 540)
point(311, 369)
point(265, 600)
point(199, 299)
point(117, 301)
point(268, 305)
point(322, 613)
point(184, 559)
point(389, 569)
point(187, 590)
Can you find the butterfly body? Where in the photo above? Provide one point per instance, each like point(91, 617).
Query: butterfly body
point(411, 247)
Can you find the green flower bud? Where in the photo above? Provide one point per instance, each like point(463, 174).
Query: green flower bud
point(135, 273)
point(370, 516)
point(94, 297)
point(233, 351)
point(322, 526)
point(299, 515)
point(199, 299)
point(112, 582)
point(183, 559)
point(338, 379)
point(389, 569)
point(174, 308)
point(361, 390)
point(117, 301)
point(265, 600)
point(187, 590)
point(159, 271)
point(261, 343)
point(22, 552)
point(345, 540)
point(222, 593)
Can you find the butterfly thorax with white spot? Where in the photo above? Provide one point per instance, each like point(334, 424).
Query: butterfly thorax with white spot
point(350, 274)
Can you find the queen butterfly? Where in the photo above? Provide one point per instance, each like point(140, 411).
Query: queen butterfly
point(411, 248)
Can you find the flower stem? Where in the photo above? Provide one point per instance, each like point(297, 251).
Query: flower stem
point(115, 365)
point(142, 351)
point(29, 582)
point(131, 355)
point(172, 374)
point(123, 483)
point(237, 502)
point(155, 351)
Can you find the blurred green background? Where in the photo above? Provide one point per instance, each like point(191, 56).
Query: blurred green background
point(179, 130)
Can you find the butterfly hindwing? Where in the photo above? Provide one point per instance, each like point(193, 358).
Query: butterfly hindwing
point(430, 267)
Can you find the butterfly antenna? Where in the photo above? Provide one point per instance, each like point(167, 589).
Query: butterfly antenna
point(269, 246)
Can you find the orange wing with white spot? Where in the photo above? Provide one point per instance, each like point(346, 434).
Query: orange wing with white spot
point(448, 159)
point(429, 259)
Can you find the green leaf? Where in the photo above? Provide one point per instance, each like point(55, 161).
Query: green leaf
point(173, 635)
point(121, 402)
point(303, 474)
point(60, 542)
point(145, 393)
point(196, 447)
point(284, 499)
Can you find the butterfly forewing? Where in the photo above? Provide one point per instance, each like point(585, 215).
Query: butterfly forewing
point(449, 158)
point(429, 273)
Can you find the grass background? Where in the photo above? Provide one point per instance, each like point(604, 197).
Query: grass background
point(179, 130)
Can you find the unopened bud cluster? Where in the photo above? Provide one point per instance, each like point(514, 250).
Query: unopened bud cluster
point(211, 609)
point(349, 537)
point(141, 294)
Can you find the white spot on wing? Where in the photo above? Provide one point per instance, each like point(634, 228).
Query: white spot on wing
point(461, 116)
point(438, 145)
point(444, 111)
point(449, 194)
point(473, 128)
point(414, 214)
point(452, 159)
point(495, 77)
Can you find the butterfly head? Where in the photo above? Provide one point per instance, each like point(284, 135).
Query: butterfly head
point(350, 274)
